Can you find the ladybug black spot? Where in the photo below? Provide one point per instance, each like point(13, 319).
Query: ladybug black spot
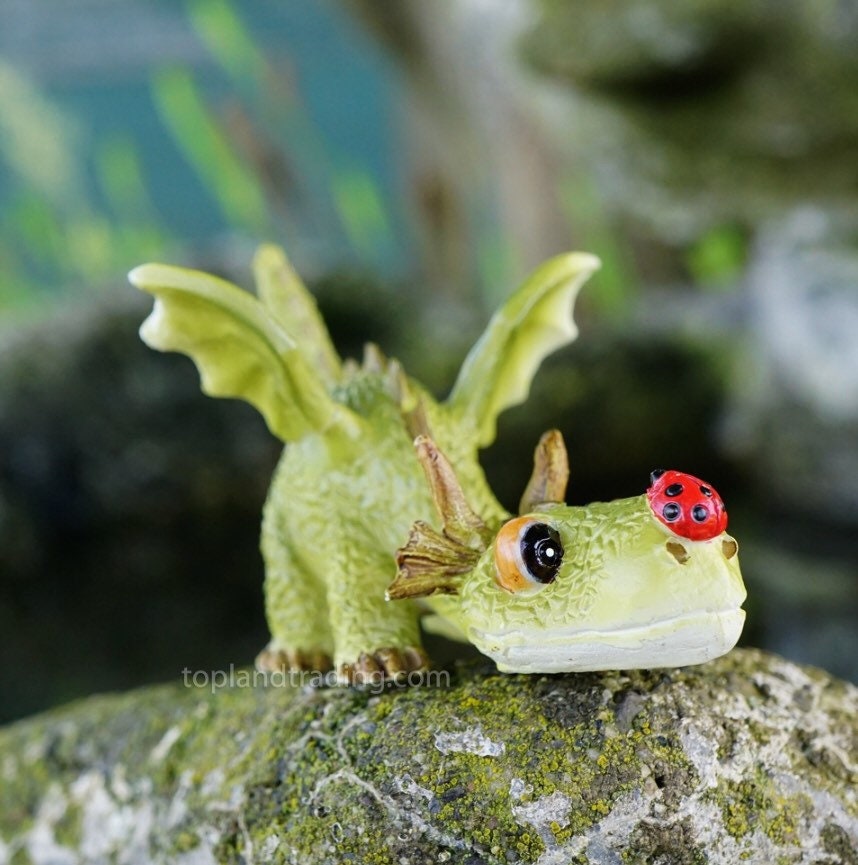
point(671, 512)
point(699, 513)
point(674, 490)
point(655, 474)
point(706, 491)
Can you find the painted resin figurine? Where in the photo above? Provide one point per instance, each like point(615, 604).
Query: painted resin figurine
point(379, 512)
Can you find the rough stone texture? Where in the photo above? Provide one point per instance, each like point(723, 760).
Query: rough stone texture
point(749, 758)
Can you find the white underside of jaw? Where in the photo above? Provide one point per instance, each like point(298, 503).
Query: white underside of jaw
point(692, 638)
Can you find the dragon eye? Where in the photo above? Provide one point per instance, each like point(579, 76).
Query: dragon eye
point(528, 555)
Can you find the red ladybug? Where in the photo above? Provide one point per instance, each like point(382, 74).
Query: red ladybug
point(686, 505)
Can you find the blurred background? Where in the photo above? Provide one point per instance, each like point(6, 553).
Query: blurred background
point(417, 160)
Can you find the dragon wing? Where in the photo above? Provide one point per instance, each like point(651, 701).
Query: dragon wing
point(240, 349)
point(534, 322)
point(289, 303)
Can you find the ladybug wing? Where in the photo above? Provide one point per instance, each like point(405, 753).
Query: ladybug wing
point(534, 322)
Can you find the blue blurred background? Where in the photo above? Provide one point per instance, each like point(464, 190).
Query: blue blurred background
point(146, 128)
point(416, 160)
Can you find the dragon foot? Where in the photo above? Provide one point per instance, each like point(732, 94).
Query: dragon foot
point(271, 660)
point(389, 665)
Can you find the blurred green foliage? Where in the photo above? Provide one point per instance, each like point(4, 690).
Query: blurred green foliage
point(585, 210)
point(185, 114)
point(53, 229)
point(280, 132)
point(227, 38)
point(79, 205)
point(717, 258)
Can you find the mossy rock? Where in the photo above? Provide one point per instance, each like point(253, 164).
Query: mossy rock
point(746, 758)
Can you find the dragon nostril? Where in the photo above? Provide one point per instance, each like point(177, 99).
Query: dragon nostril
point(678, 551)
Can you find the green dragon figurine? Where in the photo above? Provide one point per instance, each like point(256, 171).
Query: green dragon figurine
point(379, 512)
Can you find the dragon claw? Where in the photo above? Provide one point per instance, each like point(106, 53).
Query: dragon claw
point(387, 665)
point(283, 660)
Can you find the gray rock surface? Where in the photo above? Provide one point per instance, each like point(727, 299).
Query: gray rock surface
point(748, 758)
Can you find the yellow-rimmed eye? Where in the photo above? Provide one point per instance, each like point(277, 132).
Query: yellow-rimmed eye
point(528, 555)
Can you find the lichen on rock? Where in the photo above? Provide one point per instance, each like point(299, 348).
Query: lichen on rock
point(747, 758)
